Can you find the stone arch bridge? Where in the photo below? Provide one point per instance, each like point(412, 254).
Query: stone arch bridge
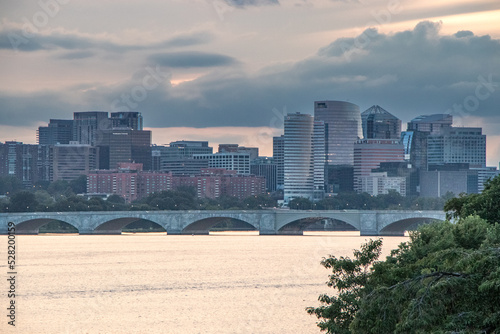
point(267, 222)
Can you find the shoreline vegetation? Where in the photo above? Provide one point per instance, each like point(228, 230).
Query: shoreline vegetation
point(445, 279)
point(62, 196)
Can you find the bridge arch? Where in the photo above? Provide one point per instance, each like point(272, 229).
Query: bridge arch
point(143, 225)
point(299, 225)
point(115, 226)
point(32, 226)
point(203, 226)
point(399, 227)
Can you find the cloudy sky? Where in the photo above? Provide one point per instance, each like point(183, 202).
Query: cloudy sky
point(228, 70)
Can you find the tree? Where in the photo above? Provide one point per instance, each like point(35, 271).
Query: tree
point(10, 185)
point(60, 188)
point(79, 185)
point(446, 279)
point(23, 201)
point(348, 277)
point(116, 203)
point(486, 205)
point(300, 203)
point(44, 200)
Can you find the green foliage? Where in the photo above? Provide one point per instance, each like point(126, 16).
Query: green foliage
point(300, 204)
point(348, 278)
point(391, 201)
point(44, 200)
point(23, 201)
point(446, 279)
point(10, 185)
point(79, 185)
point(486, 205)
point(60, 188)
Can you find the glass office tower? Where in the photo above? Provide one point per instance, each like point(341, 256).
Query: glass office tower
point(342, 129)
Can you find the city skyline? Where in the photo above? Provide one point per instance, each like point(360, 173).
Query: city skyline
point(205, 70)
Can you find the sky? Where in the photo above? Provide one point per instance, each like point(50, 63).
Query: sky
point(227, 71)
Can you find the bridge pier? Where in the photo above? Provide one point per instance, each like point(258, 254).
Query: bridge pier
point(195, 232)
point(368, 224)
point(268, 232)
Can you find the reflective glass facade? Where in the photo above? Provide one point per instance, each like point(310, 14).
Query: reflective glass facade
point(298, 157)
point(342, 129)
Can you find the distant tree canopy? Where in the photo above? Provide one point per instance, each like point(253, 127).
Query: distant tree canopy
point(446, 279)
point(364, 201)
point(486, 205)
point(10, 185)
point(60, 195)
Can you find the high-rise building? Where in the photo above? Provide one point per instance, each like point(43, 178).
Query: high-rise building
point(190, 147)
point(128, 181)
point(19, 160)
point(369, 153)
point(124, 145)
point(302, 133)
point(457, 145)
point(298, 157)
point(71, 161)
point(339, 179)
point(239, 162)
point(415, 138)
point(177, 157)
point(379, 183)
point(485, 174)
point(86, 125)
point(264, 166)
point(319, 159)
point(342, 129)
point(378, 123)
point(59, 131)
point(437, 183)
point(228, 148)
point(43, 163)
point(431, 123)
point(216, 182)
point(401, 169)
point(127, 119)
point(278, 157)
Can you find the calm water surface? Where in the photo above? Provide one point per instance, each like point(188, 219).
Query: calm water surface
point(171, 284)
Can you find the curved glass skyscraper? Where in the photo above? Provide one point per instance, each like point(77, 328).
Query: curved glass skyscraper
point(303, 157)
point(342, 129)
point(299, 168)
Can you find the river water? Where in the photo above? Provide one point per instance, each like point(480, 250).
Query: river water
point(171, 284)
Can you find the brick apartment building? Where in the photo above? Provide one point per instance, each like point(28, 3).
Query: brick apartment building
point(132, 183)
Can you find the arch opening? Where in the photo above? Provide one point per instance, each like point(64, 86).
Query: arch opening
point(217, 224)
point(297, 227)
point(398, 228)
point(143, 226)
point(116, 226)
point(45, 225)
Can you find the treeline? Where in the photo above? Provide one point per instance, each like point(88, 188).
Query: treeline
point(61, 196)
point(364, 201)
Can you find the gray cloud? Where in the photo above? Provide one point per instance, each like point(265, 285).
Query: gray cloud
point(191, 59)
point(77, 55)
point(409, 73)
point(20, 40)
point(245, 3)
